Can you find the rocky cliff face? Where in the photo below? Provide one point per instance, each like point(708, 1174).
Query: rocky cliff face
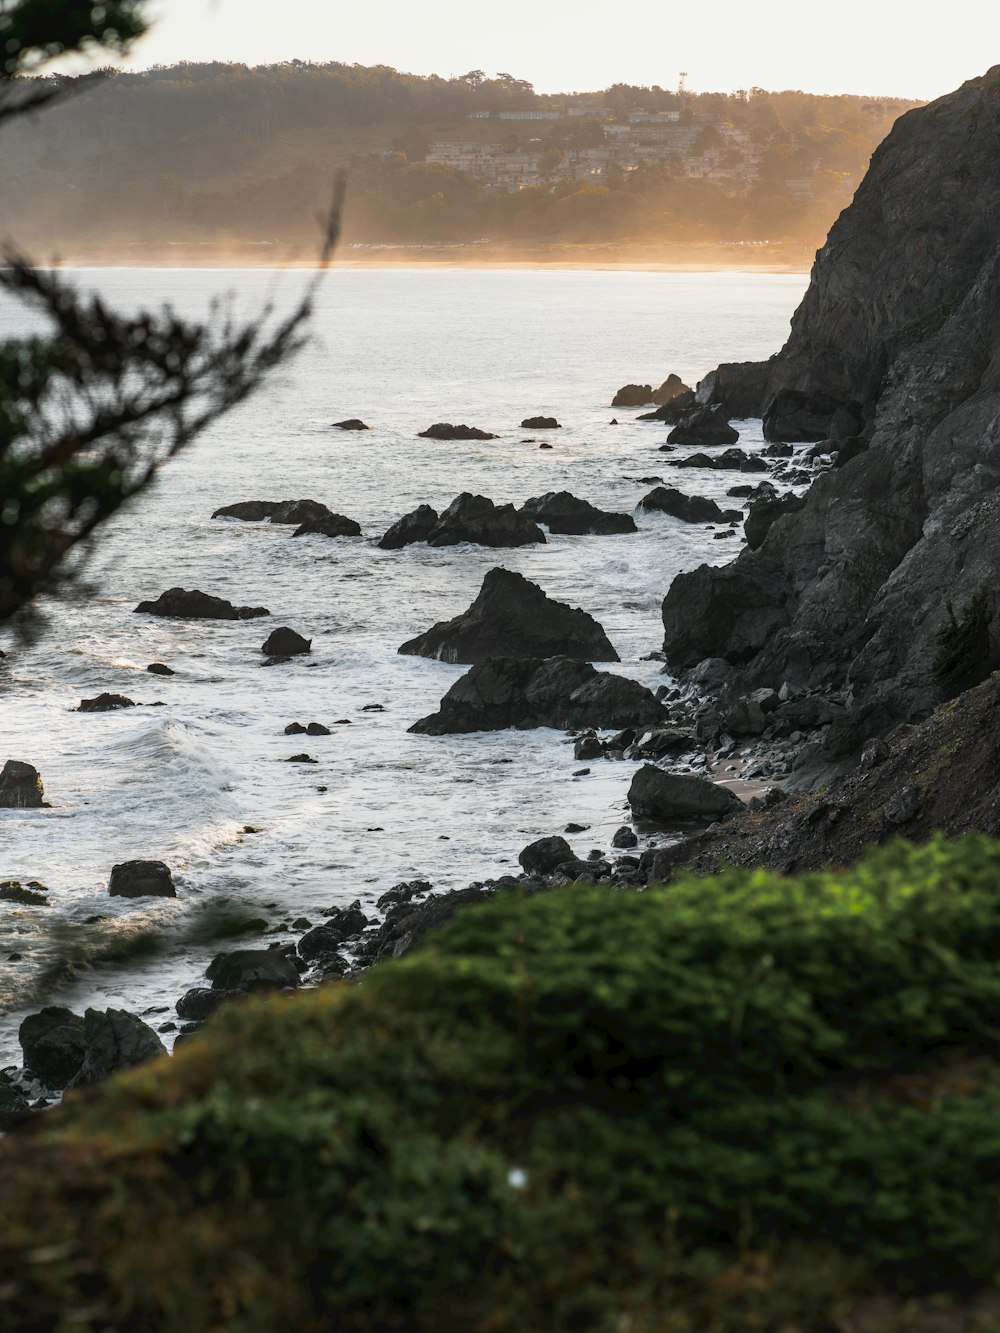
point(901, 322)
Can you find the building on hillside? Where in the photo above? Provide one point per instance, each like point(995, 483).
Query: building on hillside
point(654, 117)
point(530, 115)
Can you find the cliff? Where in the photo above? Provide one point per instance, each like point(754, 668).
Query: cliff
point(897, 342)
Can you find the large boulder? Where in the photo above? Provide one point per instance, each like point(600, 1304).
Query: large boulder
point(141, 879)
point(513, 617)
point(416, 526)
point(330, 525)
point(633, 395)
point(546, 855)
point(276, 511)
point(190, 604)
point(474, 518)
point(563, 513)
point(285, 642)
point(20, 787)
point(793, 417)
point(54, 1045)
point(114, 1040)
point(531, 692)
point(704, 427)
point(540, 423)
point(444, 430)
point(664, 797)
point(250, 970)
point(690, 508)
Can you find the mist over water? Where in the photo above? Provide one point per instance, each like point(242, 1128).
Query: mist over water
point(401, 348)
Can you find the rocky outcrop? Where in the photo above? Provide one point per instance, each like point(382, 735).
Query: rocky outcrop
point(672, 389)
point(474, 518)
point(545, 856)
point(704, 427)
point(20, 787)
point(513, 617)
point(528, 692)
point(764, 512)
point(285, 642)
point(633, 395)
point(53, 1045)
point(540, 423)
point(114, 1040)
point(902, 318)
point(105, 703)
point(792, 417)
point(416, 526)
point(276, 511)
point(331, 525)
point(184, 604)
point(690, 508)
point(730, 460)
point(141, 879)
point(665, 797)
point(251, 970)
point(563, 513)
point(444, 430)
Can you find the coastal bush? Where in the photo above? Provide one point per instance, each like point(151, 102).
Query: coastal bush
point(739, 1102)
point(964, 644)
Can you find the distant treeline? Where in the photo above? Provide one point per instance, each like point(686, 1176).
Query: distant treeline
point(229, 154)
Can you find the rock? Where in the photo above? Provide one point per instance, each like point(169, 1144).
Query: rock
point(778, 451)
point(474, 518)
point(588, 747)
point(321, 942)
point(20, 787)
point(444, 430)
point(513, 617)
point(633, 395)
point(540, 423)
point(13, 1106)
point(666, 796)
point(410, 921)
point(672, 413)
point(301, 759)
point(285, 642)
point(53, 1046)
point(295, 729)
point(332, 525)
point(318, 729)
point(689, 508)
point(158, 669)
point(563, 513)
point(105, 703)
point(545, 856)
point(792, 416)
point(764, 512)
point(874, 752)
point(730, 460)
point(665, 740)
point(114, 1040)
point(740, 386)
point(182, 604)
point(350, 921)
point(352, 423)
point(657, 864)
point(902, 807)
point(415, 526)
point(745, 718)
point(141, 879)
point(767, 699)
point(13, 891)
point(249, 970)
point(557, 692)
point(704, 426)
point(624, 837)
point(294, 512)
point(672, 388)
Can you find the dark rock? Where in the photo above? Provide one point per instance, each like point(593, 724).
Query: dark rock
point(410, 921)
point(513, 617)
point(730, 460)
point(689, 508)
point(704, 426)
point(13, 891)
point(184, 604)
point(20, 787)
point(672, 389)
point(576, 828)
point(352, 423)
point(474, 518)
point(115, 1040)
point(320, 943)
point(53, 1045)
point(764, 512)
point(633, 395)
point(740, 386)
point(13, 1106)
point(792, 416)
point(624, 837)
point(317, 729)
point(301, 759)
point(159, 669)
point(563, 513)
point(657, 864)
point(665, 740)
point(200, 1003)
point(875, 752)
point(745, 718)
point(285, 642)
point(849, 449)
point(294, 512)
point(402, 893)
point(545, 856)
point(672, 413)
point(105, 703)
point(444, 430)
point(666, 796)
point(350, 921)
point(528, 692)
point(778, 451)
point(902, 807)
point(540, 423)
point(295, 729)
point(332, 525)
point(588, 747)
point(141, 879)
point(249, 970)
point(415, 526)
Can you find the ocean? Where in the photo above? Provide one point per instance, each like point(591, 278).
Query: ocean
point(400, 348)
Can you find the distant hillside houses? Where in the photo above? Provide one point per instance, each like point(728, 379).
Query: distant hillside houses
point(699, 149)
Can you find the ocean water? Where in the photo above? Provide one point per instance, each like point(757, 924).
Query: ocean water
point(401, 348)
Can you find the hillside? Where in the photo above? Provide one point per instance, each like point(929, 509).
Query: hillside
point(217, 157)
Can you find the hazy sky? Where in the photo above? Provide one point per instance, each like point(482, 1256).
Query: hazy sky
point(906, 48)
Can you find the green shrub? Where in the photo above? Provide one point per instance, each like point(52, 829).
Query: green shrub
point(731, 1103)
point(964, 645)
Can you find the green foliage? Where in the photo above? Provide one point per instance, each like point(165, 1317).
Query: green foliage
point(964, 645)
point(731, 1103)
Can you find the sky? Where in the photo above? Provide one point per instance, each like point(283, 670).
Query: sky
point(896, 48)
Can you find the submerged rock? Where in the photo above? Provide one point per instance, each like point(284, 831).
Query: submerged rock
point(141, 879)
point(285, 642)
point(540, 423)
point(105, 703)
point(444, 430)
point(731, 460)
point(530, 692)
point(20, 787)
point(184, 604)
point(160, 669)
point(331, 525)
point(513, 617)
point(662, 796)
point(690, 508)
point(352, 423)
point(276, 511)
point(563, 513)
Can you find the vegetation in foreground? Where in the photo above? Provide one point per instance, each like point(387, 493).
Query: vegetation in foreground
point(740, 1102)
